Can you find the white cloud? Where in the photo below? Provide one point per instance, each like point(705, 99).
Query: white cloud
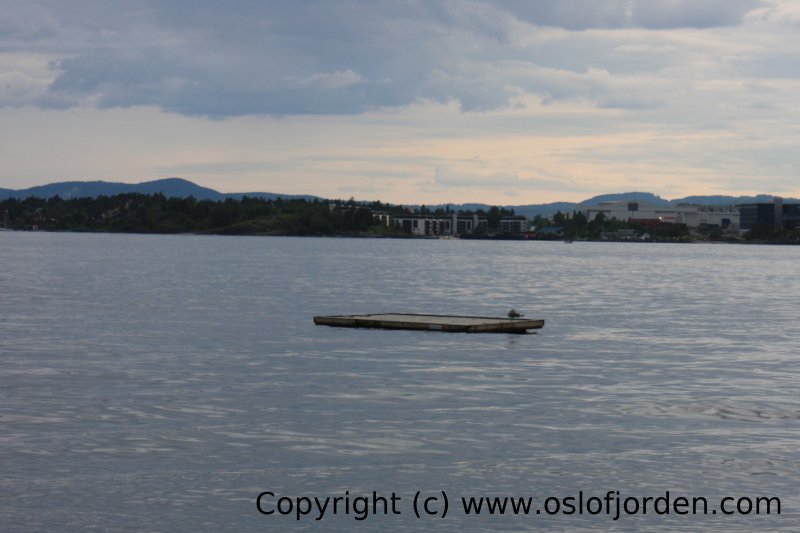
point(777, 12)
point(24, 77)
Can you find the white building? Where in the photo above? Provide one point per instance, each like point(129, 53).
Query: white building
point(625, 210)
point(692, 215)
point(425, 225)
point(515, 224)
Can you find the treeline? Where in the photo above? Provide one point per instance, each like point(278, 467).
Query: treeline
point(578, 226)
point(156, 213)
point(767, 235)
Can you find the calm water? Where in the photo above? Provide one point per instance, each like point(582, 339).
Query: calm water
point(160, 383)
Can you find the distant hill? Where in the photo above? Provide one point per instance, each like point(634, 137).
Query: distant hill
point(550, 209)
point(545, 210)
point(181, 188)
point(629, 197)
point(170, 187)
point(697, 200)
point(730, 200)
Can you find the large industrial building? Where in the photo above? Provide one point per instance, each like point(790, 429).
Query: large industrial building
point(775, 216)
point(694, 216)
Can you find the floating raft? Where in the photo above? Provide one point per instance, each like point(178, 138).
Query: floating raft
point(464, 324)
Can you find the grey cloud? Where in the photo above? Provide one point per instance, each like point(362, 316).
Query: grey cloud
point(24, 23)
point(575, 15)
point(147, 77)
point(204, 58)
point(664, 14)
point(654, 14)
point(201, 59)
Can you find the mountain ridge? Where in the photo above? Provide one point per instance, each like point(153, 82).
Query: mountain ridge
point(170, 187)
point(179, 187)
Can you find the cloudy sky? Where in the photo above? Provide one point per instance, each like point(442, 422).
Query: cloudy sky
point(423, 101)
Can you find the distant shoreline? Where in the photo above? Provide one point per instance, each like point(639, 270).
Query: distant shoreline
point(404, 237)
point(157, 214)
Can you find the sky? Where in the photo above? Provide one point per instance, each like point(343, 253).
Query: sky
point(506, 102)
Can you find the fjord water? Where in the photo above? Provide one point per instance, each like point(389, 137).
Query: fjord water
point(160, 383)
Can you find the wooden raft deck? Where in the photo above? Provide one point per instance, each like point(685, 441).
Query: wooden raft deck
point(464, 324)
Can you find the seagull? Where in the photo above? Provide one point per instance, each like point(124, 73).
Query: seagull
point(513, 314)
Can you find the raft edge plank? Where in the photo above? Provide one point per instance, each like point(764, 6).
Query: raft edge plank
point(428, 322)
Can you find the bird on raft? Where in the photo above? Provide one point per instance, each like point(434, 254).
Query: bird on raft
point(513, 314)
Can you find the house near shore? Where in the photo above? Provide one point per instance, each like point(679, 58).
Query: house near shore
point(432, 226)
point(513, 225)
point(550, 232)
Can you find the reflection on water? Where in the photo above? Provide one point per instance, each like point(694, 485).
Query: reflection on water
point(161, 382)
